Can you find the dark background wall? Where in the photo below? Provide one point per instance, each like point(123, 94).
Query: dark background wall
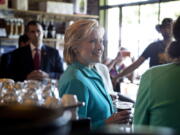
point(93, 7)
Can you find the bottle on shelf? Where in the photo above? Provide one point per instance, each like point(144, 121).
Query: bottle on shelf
point(62, 28)
point(16, 25)
point(51, 30)
point(45, 28)
point(11, 32)
point(21, 27)
point(82, 6)
point(8, 27)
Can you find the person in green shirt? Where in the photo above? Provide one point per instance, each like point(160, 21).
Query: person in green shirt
point(83, 48)
point(158, 102)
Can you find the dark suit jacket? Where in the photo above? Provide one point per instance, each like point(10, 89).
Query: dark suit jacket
point(51, 62)
point(5, 65)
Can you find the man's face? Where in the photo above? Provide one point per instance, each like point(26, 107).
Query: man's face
point(35, 34)
point(167, 31)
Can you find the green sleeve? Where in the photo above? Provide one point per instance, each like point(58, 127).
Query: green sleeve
point(141, 113)
point(76, 87)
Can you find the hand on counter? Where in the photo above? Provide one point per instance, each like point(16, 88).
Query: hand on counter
point(121, 117)
point(37, 75)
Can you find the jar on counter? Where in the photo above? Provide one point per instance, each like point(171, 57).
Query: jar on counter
point(9, 27)
point(20, 26)
point(15, 26)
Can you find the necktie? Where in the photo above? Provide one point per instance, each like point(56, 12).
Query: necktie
point(36, 60)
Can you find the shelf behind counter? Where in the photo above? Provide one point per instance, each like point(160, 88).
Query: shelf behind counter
point(31, 14)
point(8, 44)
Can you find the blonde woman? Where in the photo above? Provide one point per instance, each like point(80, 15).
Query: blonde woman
point(83, 48)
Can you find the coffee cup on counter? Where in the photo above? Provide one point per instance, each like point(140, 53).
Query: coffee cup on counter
point(120, 106)
point(70, 100)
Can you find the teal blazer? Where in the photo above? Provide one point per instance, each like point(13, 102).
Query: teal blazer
point(87, 84)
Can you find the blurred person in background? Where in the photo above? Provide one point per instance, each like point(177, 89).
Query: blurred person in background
point(36, 61)
point(117, 65)
point(155, 51)
point(23, 40)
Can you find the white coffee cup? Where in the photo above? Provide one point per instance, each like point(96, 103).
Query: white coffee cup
point(69, 100)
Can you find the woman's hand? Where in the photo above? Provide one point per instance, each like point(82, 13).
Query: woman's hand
point(121, 117)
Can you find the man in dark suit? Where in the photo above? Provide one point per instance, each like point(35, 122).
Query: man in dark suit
point(36, 61)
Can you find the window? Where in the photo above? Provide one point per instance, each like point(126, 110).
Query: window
point(133, 27)
point(113, 32)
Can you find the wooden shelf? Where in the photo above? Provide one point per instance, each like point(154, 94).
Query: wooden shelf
point(40, 14)
point(6, 38)
point(45, 39)
point(49, 41)
point(52, 39)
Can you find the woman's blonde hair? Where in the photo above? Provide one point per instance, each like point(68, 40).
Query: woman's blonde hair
point(75, 34)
